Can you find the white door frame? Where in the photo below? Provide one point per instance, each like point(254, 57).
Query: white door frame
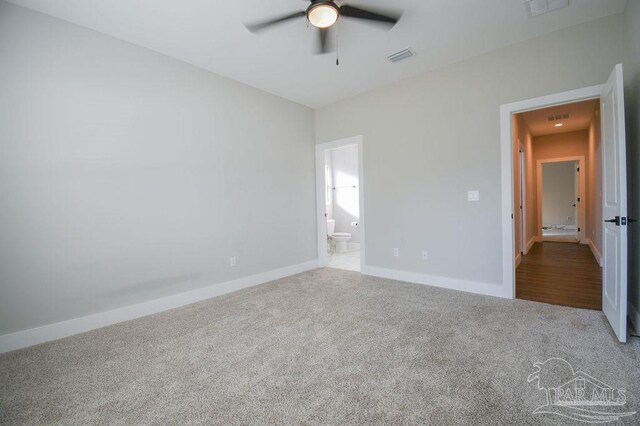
point(507, 178)
point(321, 196)
point(581, 208)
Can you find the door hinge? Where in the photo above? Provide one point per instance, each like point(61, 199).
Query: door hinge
point(623, 221)
point(578, 169)
point(578, 229)
point(578, 199)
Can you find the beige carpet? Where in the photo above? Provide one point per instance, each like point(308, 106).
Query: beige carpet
point(327, 346)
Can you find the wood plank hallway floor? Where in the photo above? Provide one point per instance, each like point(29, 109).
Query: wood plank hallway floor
point(561, 274)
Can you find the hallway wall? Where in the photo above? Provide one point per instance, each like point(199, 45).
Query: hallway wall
point(522, 136)
point(594, 185)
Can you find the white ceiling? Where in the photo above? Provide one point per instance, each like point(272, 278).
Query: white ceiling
point(580, 116)
point(210, 34)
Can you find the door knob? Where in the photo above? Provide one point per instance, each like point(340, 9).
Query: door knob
point(616, 220)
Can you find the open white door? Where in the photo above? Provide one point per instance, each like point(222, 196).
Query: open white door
point(614, 204)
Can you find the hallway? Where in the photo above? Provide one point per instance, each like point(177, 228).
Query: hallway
point(561, 274)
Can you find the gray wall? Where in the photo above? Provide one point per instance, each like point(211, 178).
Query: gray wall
point(431, 138)
point(126, 175)
point(558, 193)
point(632, 78)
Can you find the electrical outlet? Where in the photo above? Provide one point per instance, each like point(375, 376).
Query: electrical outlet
point(233, 262)
point(568, 218)
point(396, 252)
point(425, 255)
point(473, 195)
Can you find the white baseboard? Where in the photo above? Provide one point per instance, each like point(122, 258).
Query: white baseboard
point(530, 244)
point(595, 252)
point(443, 282)
point(634, 316)
point(46, 333)
point(518, 259)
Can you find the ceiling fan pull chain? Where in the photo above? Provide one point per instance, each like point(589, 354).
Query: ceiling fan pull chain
point(337, 48)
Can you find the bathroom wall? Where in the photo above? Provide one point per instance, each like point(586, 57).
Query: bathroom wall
point(558, 193)
point(126, 175)
point(328, 183)
point(346, 200)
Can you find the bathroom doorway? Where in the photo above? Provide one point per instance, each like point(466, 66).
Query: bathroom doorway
point(340, 204)
point(560, 195)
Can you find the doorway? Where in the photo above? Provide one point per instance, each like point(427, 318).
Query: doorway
point(340, 204)
point(609, 229)
point(560, 189)
point(559, 139)
point(562, 200)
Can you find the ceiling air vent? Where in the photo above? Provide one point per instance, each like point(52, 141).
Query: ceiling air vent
point(539, 7)
point(400, 55)
point(558, 117)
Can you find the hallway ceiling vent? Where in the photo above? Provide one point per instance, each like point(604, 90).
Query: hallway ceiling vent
point(401, 54)
point(539, 7)
point(558, 117)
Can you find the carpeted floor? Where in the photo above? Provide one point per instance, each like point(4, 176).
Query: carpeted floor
point(327, 346)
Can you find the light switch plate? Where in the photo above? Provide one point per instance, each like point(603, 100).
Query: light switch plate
point(473, 196)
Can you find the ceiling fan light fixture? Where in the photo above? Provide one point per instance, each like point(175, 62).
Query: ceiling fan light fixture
point(323, 14)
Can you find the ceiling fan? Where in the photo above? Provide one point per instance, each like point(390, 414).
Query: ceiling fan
point(323, 14)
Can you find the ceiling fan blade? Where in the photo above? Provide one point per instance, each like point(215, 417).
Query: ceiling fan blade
point(389, 18)
point(323, 46)
point(257, 27)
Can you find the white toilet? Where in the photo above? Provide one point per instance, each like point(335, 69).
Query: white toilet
point(339, 238)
